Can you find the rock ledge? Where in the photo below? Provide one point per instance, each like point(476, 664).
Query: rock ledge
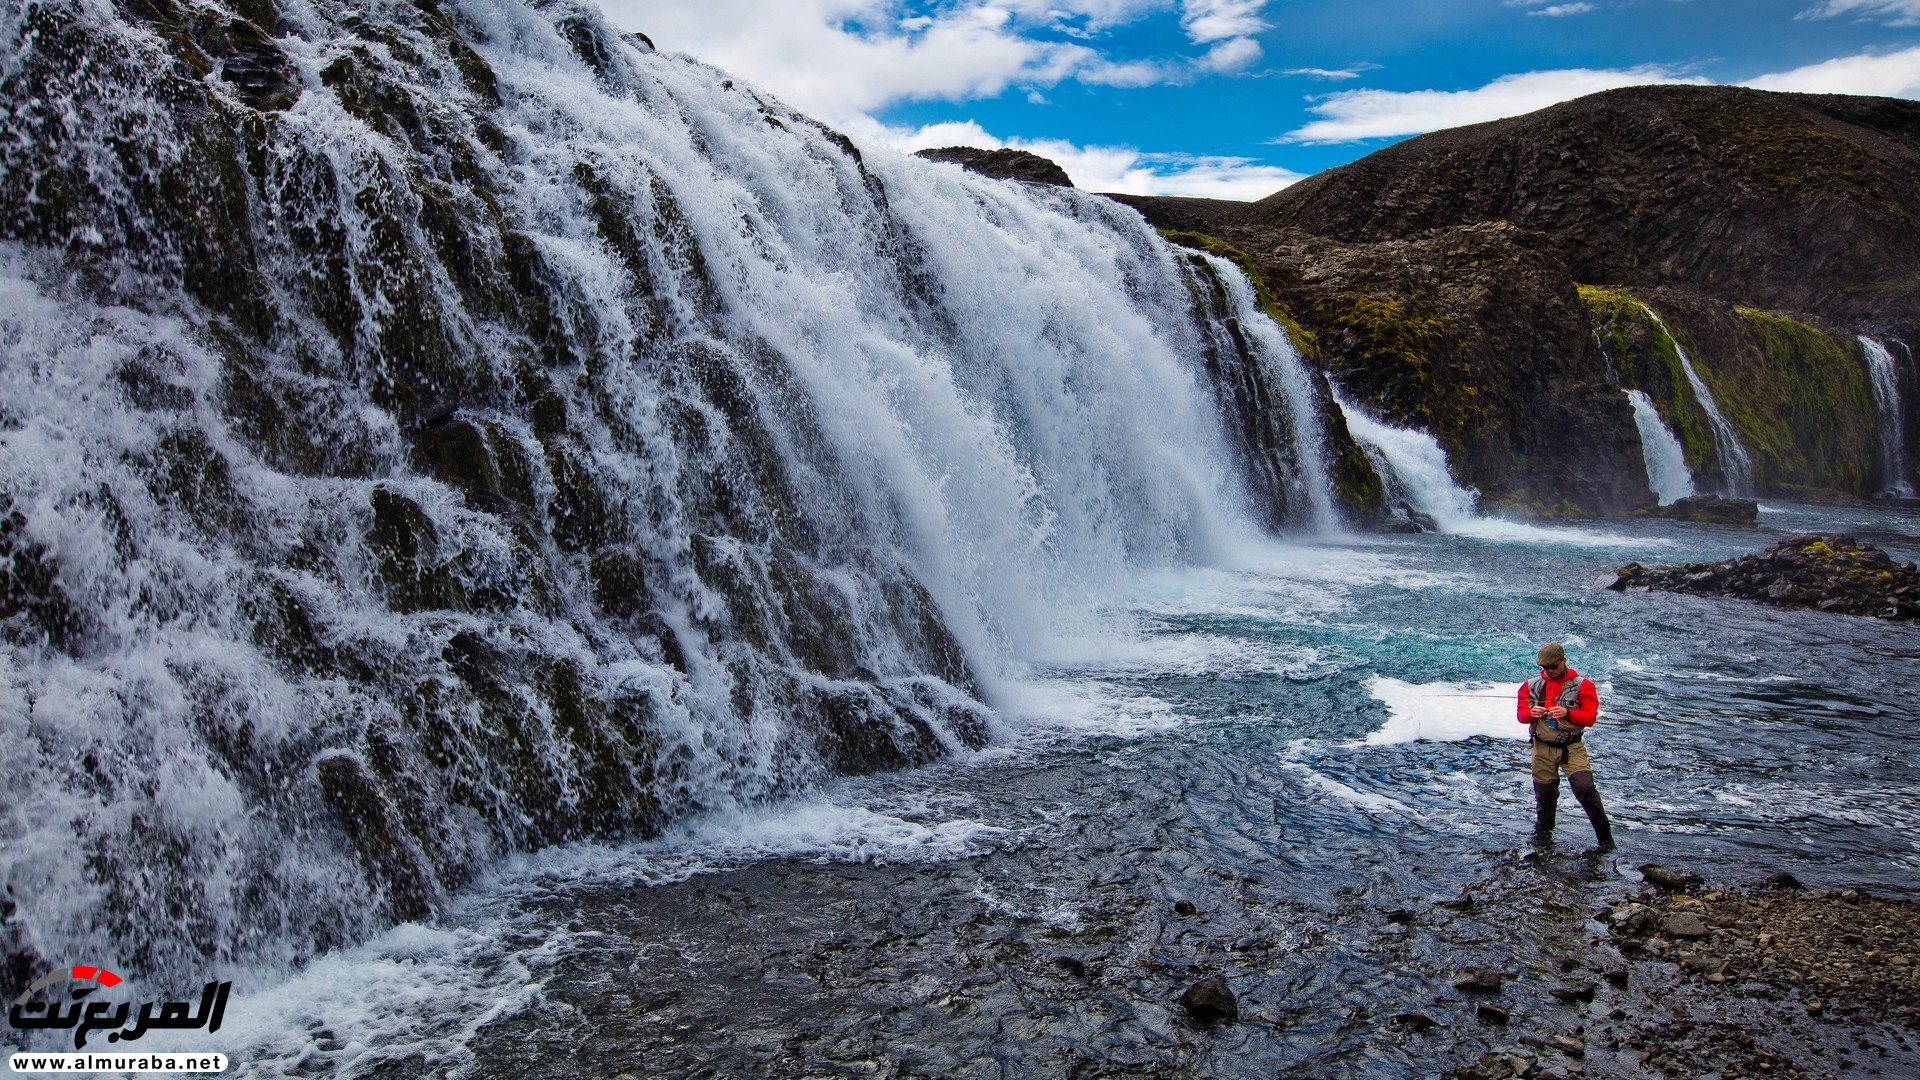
point(1838, 574)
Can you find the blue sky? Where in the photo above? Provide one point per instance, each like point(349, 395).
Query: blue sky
point(1237, 98)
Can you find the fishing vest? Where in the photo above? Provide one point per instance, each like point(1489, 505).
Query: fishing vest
point(1546, 729)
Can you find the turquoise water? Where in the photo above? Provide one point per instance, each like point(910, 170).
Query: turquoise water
point(1299, 745)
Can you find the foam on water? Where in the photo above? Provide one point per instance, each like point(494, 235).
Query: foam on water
point(1443, 711)
point(1367, 801)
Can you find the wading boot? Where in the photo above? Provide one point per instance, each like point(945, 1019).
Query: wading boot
point(1602, 831)
point(1546, 797)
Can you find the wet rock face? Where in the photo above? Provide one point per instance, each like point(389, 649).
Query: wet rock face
point(1836, 574)
point(1477, 335)
point(1002, 164)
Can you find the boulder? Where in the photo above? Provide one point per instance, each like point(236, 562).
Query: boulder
point(1210, 1000)
point(1685, 924)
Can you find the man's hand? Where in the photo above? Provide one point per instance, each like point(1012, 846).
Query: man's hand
point(1538, 712)
point(1558, 712)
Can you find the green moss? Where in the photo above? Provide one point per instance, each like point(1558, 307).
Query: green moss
point(1356, 484)
point(1803, 405)
point(1647, 358)
point(1303, 339)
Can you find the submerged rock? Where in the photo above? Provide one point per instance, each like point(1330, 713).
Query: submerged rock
point(1831, 574)
point(1211, 999)
point(1670, 880)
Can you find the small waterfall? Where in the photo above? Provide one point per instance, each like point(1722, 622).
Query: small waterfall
point(1893, 435)
point(1415, 470)
point(1734, 462)
point(1285, 442)
point(1667, 471)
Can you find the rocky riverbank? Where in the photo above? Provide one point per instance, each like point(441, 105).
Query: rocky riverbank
point(1831, 574)
point(1772, 980)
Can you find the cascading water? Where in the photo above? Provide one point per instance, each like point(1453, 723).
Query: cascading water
point(1415, 470)
point(1893, 434)
point(1284, 441)
point(1667, 471)
point(1734, 462)
point(450, 429)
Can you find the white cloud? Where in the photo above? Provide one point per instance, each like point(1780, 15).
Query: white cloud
point(1217, 20)
point(1896, 12)
point(1232, 54)
point(1353, 115)
point(840, 59)
point(1109, 168)
point(1563, 9)
point(1887, 75)
point(1329, 73)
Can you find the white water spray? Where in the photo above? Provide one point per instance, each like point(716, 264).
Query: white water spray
point(1667, 472)
point(1893, 435)
point(1734, 461)
point(1415, 470)
point(612, 444)
point(1280, 367)
point(1414, 467)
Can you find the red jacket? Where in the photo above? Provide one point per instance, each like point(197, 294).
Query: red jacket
point(1582, 715)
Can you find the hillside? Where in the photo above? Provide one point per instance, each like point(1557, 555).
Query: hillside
point(1440, 277)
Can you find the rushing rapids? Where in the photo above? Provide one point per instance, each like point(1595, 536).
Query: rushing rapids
point(432, 431)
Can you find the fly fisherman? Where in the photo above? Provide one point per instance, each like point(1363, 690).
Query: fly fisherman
point(1559, 706)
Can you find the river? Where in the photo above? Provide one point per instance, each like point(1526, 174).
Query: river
point(1301, 743)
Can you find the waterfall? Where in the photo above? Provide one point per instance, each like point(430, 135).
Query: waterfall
point(1893, 435)
point(455, 428)
point(1734, 462)
point(1284, 441)
point(1415, 470)
point(1667, 471)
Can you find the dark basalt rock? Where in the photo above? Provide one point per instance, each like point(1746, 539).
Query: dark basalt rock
point(386, 851)
point(1838, 574)
point(1001, 164)
point(1210, 1000)
point(1708, 508)
point(1478, 981)
point(1792, 202)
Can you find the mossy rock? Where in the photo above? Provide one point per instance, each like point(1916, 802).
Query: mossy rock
point(1647, 358)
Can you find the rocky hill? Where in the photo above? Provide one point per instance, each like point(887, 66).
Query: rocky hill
point(1501, 284)
point(1790, 202)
